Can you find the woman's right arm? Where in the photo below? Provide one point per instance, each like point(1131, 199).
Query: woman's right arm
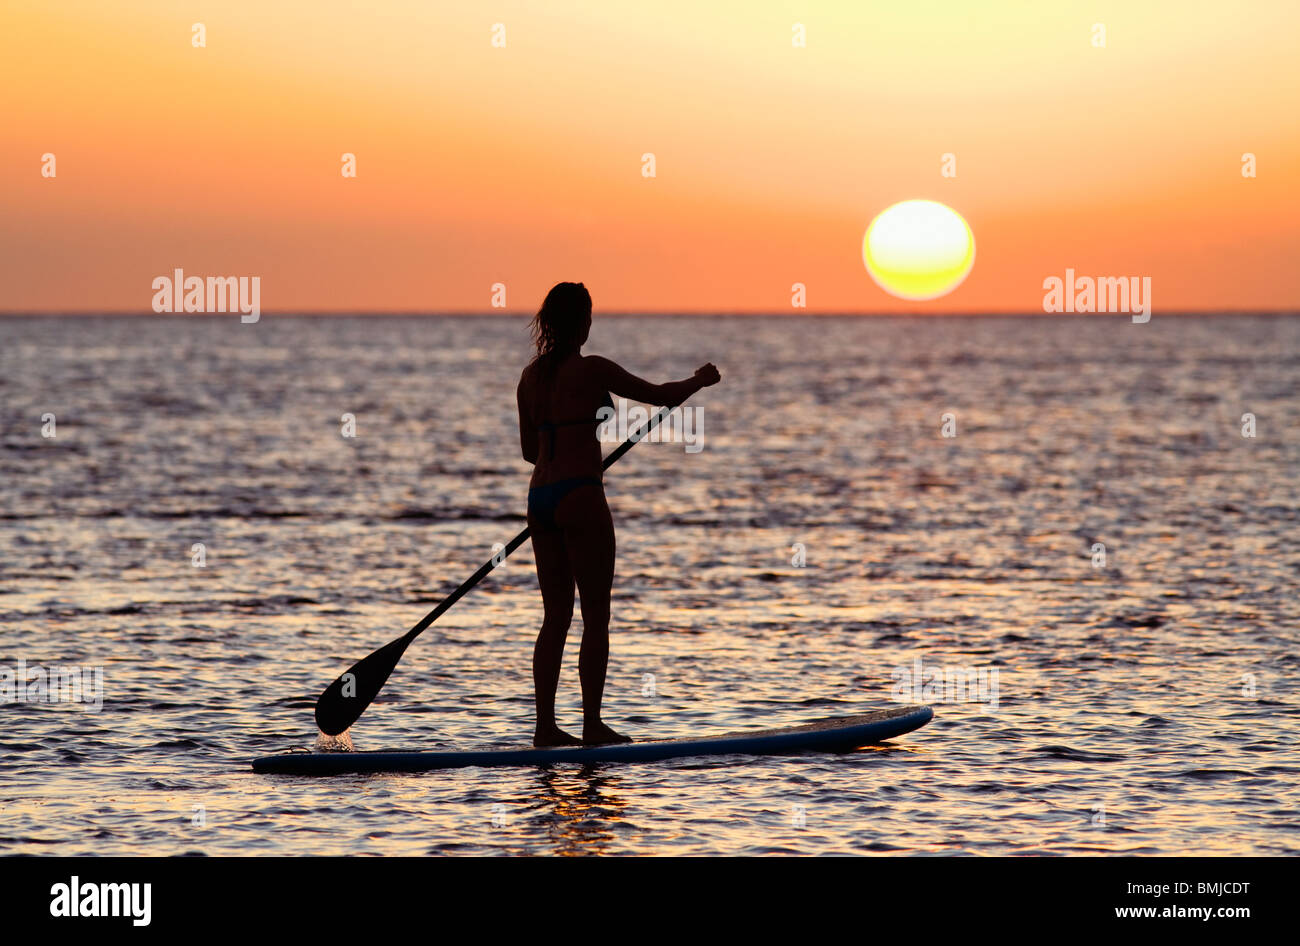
point(615, 379)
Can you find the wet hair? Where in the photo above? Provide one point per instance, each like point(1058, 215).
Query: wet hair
point(559, 323)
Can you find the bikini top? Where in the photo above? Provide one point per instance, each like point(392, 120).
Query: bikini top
point(550, 426)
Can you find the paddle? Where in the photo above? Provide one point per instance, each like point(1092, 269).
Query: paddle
point(347, 698)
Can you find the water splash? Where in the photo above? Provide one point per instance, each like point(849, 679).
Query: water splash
point(340, 743)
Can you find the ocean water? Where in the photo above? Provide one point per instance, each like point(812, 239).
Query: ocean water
point(1147, 704)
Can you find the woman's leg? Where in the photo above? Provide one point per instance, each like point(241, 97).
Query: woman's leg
point(588, 529)
point(556, 579)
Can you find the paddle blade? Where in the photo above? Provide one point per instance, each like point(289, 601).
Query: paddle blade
point(346, 698)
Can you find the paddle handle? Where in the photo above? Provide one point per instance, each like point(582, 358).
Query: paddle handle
point(614, 456)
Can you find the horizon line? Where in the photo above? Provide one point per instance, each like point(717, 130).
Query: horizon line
point(621, 313)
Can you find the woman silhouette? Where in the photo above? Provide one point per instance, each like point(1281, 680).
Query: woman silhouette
point(573, 534)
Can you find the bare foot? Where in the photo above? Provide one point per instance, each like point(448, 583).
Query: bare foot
point(554, 736)
point(601, 735)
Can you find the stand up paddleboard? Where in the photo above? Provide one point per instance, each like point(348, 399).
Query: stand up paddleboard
point(840, 734)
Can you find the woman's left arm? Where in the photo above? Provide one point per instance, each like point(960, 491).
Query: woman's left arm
point(527, 429)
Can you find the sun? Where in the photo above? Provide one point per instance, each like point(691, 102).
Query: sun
point(918, 249)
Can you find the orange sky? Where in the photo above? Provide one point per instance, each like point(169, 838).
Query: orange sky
point(522, 164)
